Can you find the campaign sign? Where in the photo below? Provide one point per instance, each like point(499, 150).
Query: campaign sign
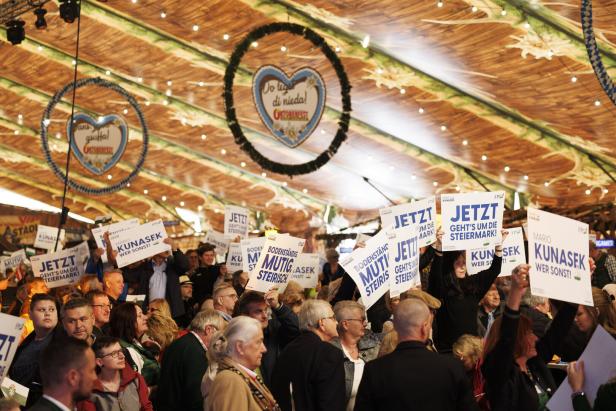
point(234, 258)
point(46, 237)
point(403, 249)
point(219, 240)
point(140, 242)
point(60, 268)
point(236, 222)
point(251, 251)
point(472, 220)
point(421, 213)
point(369, 268)
point(306, 270)
point(513, 254)
point(275, 263)
point(12, 261)
point(558, 256)
point(10, 333)
point(114, 232)
point(14, 391)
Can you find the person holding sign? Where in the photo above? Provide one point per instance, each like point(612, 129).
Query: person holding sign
point(459, 293)
point(606, 394)
point(514, 360)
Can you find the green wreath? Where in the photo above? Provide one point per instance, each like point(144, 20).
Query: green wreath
point(234, 125)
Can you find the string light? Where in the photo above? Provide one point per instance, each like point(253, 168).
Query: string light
point(133, 1)
point(195, 27)
point(40, 48)
point(597, 103)
point(284, 184)
point(402, 91)
point(201, 84)
point(164, 198)
point(127, 184)
point(225, 36)
point(503, 12)
point(434, 183)
point(182, 204)
point(263, 175)
point(443, 128)
point(573, 79)
point(527, 25)
point(169, 83)
point(168, 93)
point(439, 4)
point(203, 136)
point(223, 151)
point(254, 44)
point(145, 191)
point(16, 132)
point(421, 110)
point(58, 136)
point(163, 14)
point(605, 191)
point(379, 70)
point(337, 49)
point(484, 157)
point(243, 164)
point(139, 79)
point(200, 208)
point(465, 142)
point(587, 192)
point(474, 9)
point(366, 41)
point(283, 49)
point(165, 102)
point(526, 178)
point(147, 103)
point(546, 184)
point(457, 188)
point(305, 191)
point(107, 72)
point(507, 169)
point(125, 111)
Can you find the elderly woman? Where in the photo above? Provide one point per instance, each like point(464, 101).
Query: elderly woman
point(237, 352)
point(358, 345)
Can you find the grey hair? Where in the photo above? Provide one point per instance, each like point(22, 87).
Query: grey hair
point(342, 309)
point(410, 314)
point(205, 318)
point(239, 329)
point(312, 312)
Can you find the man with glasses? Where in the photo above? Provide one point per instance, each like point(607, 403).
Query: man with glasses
point(184, 364)
point(358, 344)
point(101, 308)
point(118, 386)
point(278, 331)
point(225, 298)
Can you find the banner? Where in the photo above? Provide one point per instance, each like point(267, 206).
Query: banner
point(513, 254)
point(19, 230)
point(140, 242)
point(403, 254)
point(251, 250)
point(421, 213)
point(558, 255)
point(10, 333)
point(62, 267)
point(236, 222)
point(234, 258)
point(46, 237)
point(369, 268)
point(306, 270)
point(12, 261)
point(218, 240)
point(275, 263)
point(14, 391)
point(472, 220)
point(114, 231)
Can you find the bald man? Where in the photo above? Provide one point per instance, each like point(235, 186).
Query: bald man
point(412, 377)
point(113, 285)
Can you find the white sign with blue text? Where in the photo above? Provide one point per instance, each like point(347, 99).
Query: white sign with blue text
point(234, 258)
point(558, 256)
point(139, 243)
point(251, 251)
point(62, 267)
point(403, 248)
point(369, 267)
point(219, 240)
point(114, 230)
point(46, 237)
point(306, 270)
point(10, 332)
point(275, 263)
point(421, 213)
point(513, 254)
point(12, 261)
point(236, 222)
point(472, 220)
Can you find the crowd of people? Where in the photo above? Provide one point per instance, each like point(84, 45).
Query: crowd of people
point(197, 339)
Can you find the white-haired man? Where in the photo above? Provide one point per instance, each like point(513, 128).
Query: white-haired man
point(309, 374)
point(412, 377)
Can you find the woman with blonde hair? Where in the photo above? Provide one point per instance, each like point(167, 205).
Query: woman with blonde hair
point(237, 353)
point(159, 306)
point(605, 302)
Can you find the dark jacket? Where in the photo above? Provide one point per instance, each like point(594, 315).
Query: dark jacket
point(315, 370)
point(414, 378)
point(176, 266)
point(203, 282)
point(182, 370)
point(459, 298)
point(507, 387)
point(43, 404)
point(601, 276)
point(280, 331)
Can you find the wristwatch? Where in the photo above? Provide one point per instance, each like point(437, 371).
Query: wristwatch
point(578, 394)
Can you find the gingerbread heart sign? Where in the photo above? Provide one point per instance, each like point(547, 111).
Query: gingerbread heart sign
point(98, 144)
point(290, 107)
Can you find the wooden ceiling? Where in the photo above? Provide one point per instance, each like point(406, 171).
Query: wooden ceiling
point(452, 96)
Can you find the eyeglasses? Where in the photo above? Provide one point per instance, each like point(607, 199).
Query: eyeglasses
point(107, 306)
point(362, 320)
point(329, 318)
point(115, 354)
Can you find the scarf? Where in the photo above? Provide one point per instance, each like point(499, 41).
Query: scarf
point(262, 396)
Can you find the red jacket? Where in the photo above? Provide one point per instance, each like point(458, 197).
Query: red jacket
point(132, 395)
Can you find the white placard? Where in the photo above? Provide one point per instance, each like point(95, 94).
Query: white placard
point(369, 268)
point(251, 250)
point(135, 298)
point(12, 261)
point(421, 213)
point(63, 267)
point(114, 230)
point(599, 364)
point(306, 270)
point(403, 253)
point(14, 391)
point(275, 263)
point(236, 222)
point(46, 237)
point(472, 220)
point(218, 240)
point(558, 256)
point(140, 242)
point(234, 258)
point(10, 333)
point(513, 254)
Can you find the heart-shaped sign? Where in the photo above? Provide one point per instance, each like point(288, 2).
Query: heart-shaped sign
point(98, 144)
point(290, 108)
